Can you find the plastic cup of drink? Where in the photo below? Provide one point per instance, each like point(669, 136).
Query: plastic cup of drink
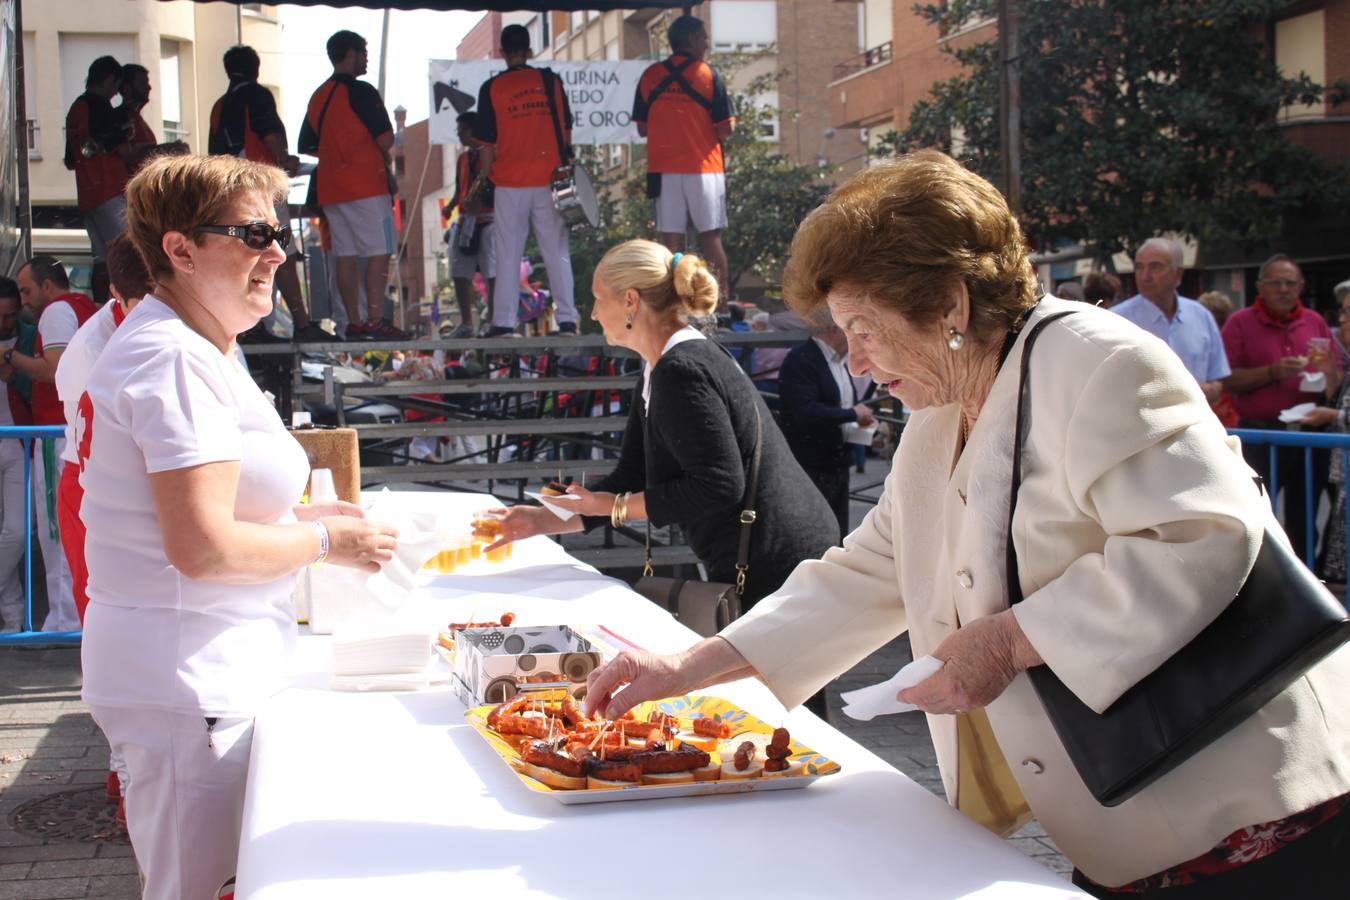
point(445, 561)
point(462, 552)
point(1319, 344)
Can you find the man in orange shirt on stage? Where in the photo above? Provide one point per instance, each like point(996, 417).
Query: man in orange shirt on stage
point(348, 128)
point(244, 122)
point(98, 152)
point(683, 110)
point(524, 129)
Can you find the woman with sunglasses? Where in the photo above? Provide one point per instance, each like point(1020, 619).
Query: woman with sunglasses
point(194, 532)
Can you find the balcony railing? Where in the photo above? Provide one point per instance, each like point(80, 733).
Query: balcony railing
point(863, 61)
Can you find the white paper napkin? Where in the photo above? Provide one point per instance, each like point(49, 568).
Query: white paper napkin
point(1313, 382)
point(557, 505)
point(1296, 413)
point(867, 703)
point(856, 434)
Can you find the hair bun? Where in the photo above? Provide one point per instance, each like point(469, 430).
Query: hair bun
point(695, 286)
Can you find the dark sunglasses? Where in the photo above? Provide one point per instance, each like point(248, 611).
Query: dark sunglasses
point(255, 235)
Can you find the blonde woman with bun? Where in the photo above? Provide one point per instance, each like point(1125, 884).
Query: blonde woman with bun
point(691, 432)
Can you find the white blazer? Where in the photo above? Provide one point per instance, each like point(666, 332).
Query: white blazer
point(1136, 523)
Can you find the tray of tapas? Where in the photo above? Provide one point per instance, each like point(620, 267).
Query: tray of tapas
point(681, 747)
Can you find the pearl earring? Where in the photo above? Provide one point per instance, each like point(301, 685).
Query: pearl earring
point(628, 321)
point(955, 338)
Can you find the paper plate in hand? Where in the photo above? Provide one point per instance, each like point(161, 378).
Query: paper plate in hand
point(743, 725)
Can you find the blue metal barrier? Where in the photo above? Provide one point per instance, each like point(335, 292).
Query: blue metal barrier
point(27, 434)
point(1308, 441)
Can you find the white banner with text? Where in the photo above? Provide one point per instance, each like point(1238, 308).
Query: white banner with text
point(600, 94)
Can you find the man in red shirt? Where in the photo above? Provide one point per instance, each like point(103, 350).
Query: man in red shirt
point(524, 128)
point(1277, 347)
point(470, 237)
point(348, 128)
point(60, 312)
point(244, 122)
point(98, 152)
point(683, 110)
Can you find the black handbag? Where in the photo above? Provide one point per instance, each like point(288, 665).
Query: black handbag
point(708, 606)
point(1280, 624)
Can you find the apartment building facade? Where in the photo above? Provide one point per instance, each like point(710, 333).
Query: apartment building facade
point(181, 43)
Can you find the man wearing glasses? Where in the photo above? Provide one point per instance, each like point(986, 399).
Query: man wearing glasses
point(1282, 355)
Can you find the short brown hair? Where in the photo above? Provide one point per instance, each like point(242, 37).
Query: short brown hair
point(904, 233)
point(1101, 287)
point(687, 288)
point(126, 268)
point(184, 193)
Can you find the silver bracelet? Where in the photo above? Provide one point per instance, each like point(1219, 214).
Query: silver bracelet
point(322, 529)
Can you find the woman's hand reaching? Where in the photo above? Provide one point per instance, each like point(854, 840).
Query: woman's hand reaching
point(979, 662)
point(521, 521)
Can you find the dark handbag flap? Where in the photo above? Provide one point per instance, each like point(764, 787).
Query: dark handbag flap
point(1281, 623)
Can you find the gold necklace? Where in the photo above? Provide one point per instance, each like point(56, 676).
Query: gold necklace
point(965, 429)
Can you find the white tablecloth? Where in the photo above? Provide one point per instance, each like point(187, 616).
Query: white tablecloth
point(393, 796)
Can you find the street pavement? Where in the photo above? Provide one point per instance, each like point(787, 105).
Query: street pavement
point(54, 761)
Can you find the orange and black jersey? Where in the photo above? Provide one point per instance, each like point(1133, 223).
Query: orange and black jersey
point(682, 100)
point(353, 165)
point(514, 116)
point(241, 118)
point(97, 180)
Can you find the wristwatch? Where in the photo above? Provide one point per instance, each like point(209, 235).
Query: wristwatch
point(8, 355)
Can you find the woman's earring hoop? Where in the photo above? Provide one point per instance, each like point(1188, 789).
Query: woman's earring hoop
point(955, 338)
point(628, 321)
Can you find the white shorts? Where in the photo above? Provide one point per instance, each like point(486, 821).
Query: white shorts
point(362, 227)
point(184, 795)
point(464, 265)
point(283, 211)
point(105, 222)
point(702, 198)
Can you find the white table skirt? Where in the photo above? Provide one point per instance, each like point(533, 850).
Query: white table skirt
point(393, 796)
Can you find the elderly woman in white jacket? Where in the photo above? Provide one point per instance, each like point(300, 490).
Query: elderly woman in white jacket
point(1137, 521)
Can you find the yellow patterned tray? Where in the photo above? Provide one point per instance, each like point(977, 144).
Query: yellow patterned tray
point(686, 708)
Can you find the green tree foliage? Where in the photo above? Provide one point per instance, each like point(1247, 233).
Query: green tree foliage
point(768, 195)
point(1138, 117)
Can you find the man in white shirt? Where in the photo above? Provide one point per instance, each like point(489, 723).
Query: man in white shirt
point(46, 291)
point(1187, 327)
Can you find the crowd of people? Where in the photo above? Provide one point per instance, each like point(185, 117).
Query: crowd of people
point(171, 521)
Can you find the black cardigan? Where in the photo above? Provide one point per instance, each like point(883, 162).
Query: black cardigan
point(691, 453)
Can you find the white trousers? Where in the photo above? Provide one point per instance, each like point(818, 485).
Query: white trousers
point(61, 612)
point(184, 795)
point(11, 533)
point(516, 211)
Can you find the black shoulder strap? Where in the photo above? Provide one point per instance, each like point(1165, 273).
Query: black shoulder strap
point(1023, 392)
point(564, 150)
point(674, 74)
point(323, 113)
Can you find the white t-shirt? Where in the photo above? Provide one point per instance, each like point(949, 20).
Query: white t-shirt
point(163, 398)
point(77, 361)
point(57, 325)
